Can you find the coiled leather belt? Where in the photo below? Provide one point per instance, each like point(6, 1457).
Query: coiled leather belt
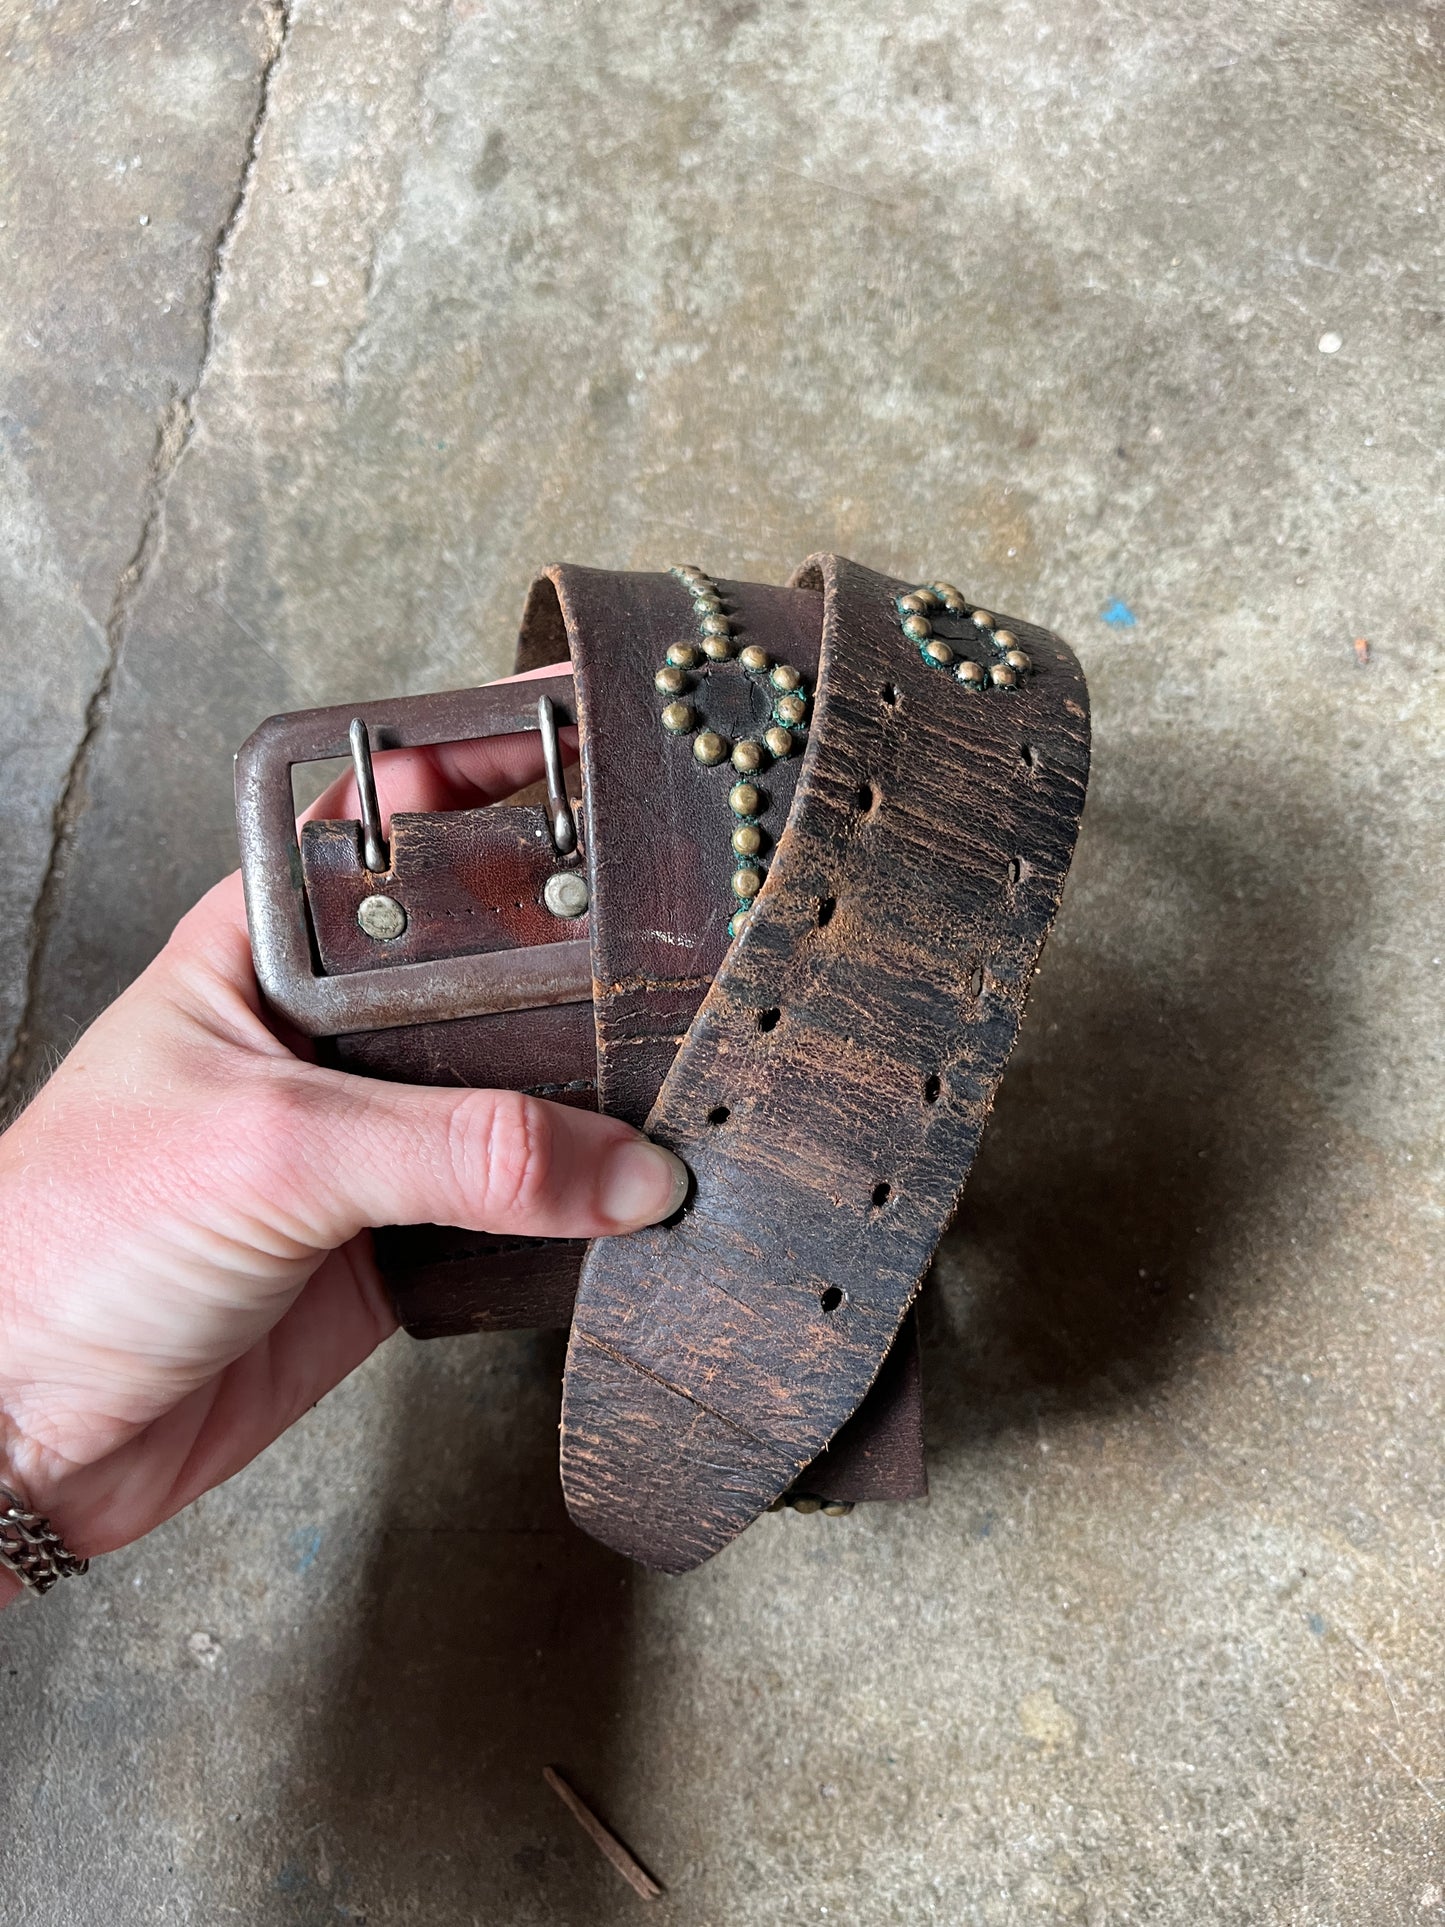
point(787, 927)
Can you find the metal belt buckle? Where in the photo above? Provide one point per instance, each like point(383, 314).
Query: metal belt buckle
point(276, 904)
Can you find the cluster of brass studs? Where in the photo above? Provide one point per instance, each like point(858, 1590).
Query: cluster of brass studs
point(681, 717)
point(808, 1502)
point(917, 611)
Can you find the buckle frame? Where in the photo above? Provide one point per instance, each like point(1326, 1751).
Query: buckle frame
point(532, 978)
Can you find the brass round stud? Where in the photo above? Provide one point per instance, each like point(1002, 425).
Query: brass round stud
point(837, 1508)
point(955, 604)
point(779, 741)
point(913, 605)
point(917, 628)
point(687, 568)
point(679, 718)
point(747, 839)
point(1005, 640)
point(748, 757)
point(981, 619)
point(745, 799)
point(716, 626)
point(670, 681)
point(706, 603)
point(1002, 677)
point(928, 596)
point(972, 673)
point(791, 709)
point(746, 884)
point(716, 648)
point(753, 658)
point(710, 748)
point(938, 653)
point(682, 655)
point(806, 1504)
point(1018, 661)
point(785, 677)
point(945, 590)
point(739, 918)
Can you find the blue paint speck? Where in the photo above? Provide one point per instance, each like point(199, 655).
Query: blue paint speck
point(290, 1879)
point(1118, 615)
point(305, 1544)
point(1317, 1625)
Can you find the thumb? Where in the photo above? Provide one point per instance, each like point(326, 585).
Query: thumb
point(375, 1153)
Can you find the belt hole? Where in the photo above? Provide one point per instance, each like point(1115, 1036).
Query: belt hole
point(767, 1019)
point(825, 911)
point(882, 1192)
point(866, 798)
point(888, 695)
point(830, 1298)
point(1030, 756)
point(932, 1088)
point(719, 1114)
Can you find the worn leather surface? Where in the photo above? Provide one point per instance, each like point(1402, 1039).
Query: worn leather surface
point(657, 844)
point(468, 880)
point(831, 1092)
point(660, 855)
point(473, 880)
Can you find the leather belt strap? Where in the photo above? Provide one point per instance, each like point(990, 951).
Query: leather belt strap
point(825, 1075)
point(830, 1094)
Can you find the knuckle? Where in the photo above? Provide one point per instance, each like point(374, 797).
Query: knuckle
point(505, 1152)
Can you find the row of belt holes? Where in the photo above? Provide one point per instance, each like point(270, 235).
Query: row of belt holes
point(867, 799)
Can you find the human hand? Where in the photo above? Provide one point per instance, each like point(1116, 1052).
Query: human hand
point(184, 1210)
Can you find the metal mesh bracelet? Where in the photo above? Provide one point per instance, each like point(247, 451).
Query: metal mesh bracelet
point(31, 1548)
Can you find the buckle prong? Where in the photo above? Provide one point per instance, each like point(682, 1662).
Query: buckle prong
point(564, 828)
point(374, 853)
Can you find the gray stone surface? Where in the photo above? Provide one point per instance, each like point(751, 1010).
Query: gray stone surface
point(1030, 295)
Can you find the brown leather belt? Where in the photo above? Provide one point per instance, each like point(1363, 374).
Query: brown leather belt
point(821, 835)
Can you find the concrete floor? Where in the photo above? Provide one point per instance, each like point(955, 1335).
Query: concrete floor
point(324, 324)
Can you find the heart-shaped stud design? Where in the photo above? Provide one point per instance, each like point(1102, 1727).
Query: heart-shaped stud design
point(678, 681)
point(919, 611)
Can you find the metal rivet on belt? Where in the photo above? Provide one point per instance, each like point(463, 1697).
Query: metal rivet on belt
point(382, 918)
point(565, 894)
point(918, 610)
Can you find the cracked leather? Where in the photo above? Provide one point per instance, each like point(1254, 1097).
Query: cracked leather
point(656, 830)
point(831, 1089)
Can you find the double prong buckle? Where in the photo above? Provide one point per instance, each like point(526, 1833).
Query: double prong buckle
point(282, 937)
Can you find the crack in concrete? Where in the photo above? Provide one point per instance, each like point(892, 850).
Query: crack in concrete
point(173, 437)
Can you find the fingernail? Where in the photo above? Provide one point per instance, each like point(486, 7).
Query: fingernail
point(641, 1183)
